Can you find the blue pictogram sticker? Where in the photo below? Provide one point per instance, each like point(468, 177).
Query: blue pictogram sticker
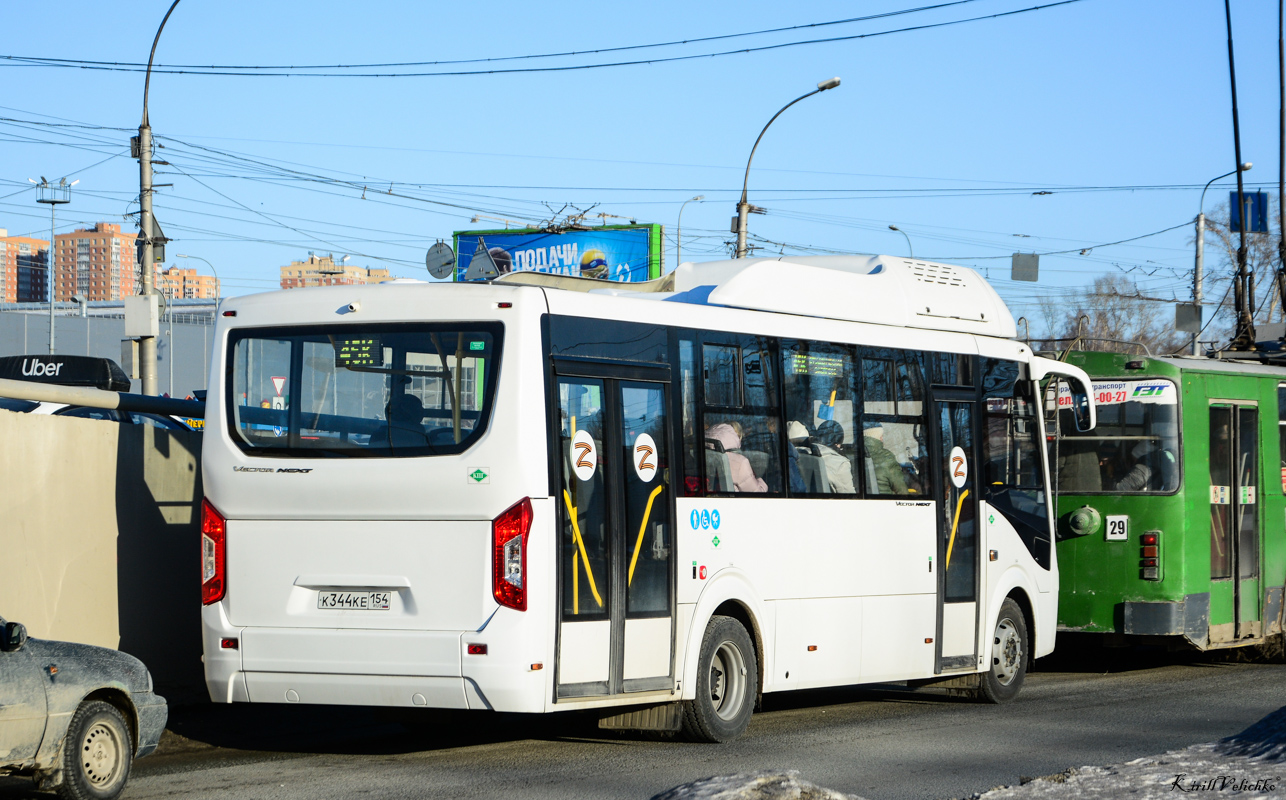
point(705, 519)
point(695, 519)
point(714, 519)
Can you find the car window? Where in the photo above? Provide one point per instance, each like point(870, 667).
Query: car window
point(21, 406)
point(156, 421)
point(85, 412)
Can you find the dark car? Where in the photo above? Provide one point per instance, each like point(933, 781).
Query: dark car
point(74, 716)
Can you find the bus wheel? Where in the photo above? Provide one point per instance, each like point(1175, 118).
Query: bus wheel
point(1001, 683)
point(727, 682)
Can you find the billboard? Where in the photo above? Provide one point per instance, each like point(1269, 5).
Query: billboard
point(610, 252)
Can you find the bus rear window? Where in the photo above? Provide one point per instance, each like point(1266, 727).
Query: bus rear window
point(1134, 448)
point(374, 391)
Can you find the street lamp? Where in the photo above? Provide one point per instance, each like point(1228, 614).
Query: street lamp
point(908, 239)
point(743, 207)
point(218, 284)
point(1198, 277)
point(54, 195)
point(678, 236)
point(146, 223)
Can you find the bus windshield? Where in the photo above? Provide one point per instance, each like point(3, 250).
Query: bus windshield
point(376, 391)
point(1134, 449)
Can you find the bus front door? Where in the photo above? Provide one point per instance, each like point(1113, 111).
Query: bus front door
point(958, 532)
point(1234, 523)
point(616, 546)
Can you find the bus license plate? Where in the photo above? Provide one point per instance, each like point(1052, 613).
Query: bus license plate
point(353, 601)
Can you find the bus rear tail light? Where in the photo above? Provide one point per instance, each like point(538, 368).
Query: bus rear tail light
point(214, 530)
point(509, 555)
point(1150, 556)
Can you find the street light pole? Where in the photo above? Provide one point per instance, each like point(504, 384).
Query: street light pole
point(909, 249)
point(146, 224)
point(218, 284)
point(678, 236)
point(53, 195)
point(743, 207)
point(1198, 273)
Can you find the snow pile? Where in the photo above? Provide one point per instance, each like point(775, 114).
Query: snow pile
point(1252, 762)
point(762, 785)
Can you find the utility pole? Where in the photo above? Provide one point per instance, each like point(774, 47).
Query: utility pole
point(1245, 336)
point(146, 223)
point(1281, 161)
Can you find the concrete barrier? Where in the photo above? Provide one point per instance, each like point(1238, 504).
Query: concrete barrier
point(99, 532)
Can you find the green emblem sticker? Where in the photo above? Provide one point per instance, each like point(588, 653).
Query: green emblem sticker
point(477, 345)
point(992, 519)
point(715, 541)
point(478, 475)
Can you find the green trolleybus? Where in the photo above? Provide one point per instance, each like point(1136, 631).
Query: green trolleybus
point(1172, 511)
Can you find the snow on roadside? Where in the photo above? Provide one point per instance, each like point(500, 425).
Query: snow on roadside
point(1252, 763)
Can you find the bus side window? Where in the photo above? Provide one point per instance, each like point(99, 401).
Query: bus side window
point(740, 423)
point(692, 444)
point(821, 387)
point(894, 454)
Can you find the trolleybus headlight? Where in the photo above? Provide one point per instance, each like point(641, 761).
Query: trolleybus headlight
point(509, 555)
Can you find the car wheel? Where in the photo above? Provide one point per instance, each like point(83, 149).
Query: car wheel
point(727, 684)
point(97, 753)
point(1008, 655)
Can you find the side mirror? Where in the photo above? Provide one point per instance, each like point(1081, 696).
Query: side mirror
point(1081, 408)
point(13, 637)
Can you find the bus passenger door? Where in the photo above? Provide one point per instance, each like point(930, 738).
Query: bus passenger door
point(1234, 523)
point(958, 532)
point(616, 548)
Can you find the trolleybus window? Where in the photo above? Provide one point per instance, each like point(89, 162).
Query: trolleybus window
point(1134, 449)
point(342, 391)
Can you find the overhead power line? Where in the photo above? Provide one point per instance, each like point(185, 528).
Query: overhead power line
point(37, 61)
point(564, 54)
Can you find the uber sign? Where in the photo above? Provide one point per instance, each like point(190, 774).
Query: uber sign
point(99, 373)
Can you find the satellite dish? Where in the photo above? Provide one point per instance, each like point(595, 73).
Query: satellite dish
point(440, 260)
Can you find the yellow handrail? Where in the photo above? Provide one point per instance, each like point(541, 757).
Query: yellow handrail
point(638, 545)
point(580, 543)
point(951, 543)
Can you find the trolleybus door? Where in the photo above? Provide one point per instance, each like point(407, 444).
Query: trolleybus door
point(957, 639)
point(1234, 522)
point(615, 544)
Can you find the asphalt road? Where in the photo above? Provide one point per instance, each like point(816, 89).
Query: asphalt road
point(882, 744)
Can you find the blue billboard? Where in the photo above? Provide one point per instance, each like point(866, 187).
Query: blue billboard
point(610, 252)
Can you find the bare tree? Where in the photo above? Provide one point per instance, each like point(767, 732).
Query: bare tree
point(1113, 316)
point(1261, 261)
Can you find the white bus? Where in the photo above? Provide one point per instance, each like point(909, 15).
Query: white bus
point(655, 500)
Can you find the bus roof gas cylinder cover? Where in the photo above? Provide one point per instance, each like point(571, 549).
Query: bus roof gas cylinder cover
point(1084, 521)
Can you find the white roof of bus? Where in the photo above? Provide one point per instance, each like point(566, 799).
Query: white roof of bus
point(885, 290)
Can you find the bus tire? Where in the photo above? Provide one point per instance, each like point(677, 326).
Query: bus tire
point(1007, 652)
point(727, 683)
point(97, 753)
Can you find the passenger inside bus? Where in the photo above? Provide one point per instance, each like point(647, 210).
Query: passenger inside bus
point(727, 436)
point(882, 467)
point(405, 425)
point(828, 444)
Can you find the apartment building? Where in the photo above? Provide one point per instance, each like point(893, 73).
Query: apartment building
point(23, 275)
point(325, 271)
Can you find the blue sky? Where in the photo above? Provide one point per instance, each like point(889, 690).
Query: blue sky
point(944, 132)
